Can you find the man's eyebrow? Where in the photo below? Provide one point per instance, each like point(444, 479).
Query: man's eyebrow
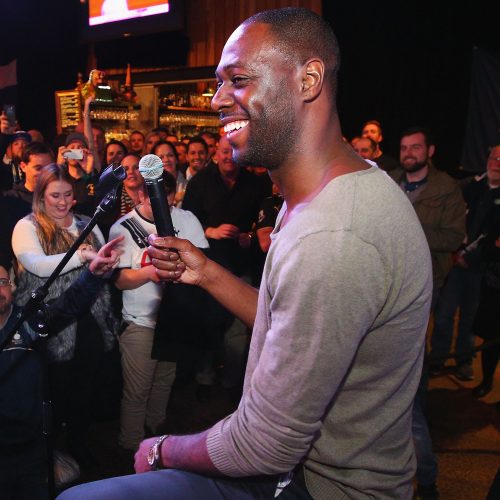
point(227, 67)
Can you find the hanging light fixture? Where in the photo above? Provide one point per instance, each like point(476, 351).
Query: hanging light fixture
point(208, 92)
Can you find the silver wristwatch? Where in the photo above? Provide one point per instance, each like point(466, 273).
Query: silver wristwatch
point(154, 454)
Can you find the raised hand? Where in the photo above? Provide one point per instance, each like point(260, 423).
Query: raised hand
point(107, 258)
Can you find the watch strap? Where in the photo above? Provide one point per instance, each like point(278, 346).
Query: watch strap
point(154, 454)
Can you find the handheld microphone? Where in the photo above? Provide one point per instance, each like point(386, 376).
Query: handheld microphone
point(151, 168)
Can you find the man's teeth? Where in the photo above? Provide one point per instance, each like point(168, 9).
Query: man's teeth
point(231, 127)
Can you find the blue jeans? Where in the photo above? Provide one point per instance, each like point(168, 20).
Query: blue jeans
point(181, 485)
point(461, 290)
point(427, 468)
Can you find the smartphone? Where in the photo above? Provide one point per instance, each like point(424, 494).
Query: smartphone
point(10, 111)
point(73, 154)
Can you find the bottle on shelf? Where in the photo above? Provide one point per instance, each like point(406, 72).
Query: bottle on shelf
point(129, 94)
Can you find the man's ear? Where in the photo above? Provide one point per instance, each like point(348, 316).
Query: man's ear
point(312, 79)
point(23, 166)
point(432, 150)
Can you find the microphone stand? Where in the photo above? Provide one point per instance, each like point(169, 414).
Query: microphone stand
point(37, 306)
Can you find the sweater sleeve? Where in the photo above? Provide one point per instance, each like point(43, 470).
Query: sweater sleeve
point(30, 254)
point(319, 313)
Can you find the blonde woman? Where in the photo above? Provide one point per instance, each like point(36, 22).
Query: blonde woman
point(40, 241)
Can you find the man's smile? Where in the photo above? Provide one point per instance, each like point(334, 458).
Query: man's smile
point(232, 127)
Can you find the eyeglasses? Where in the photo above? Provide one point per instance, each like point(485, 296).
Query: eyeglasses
point(5, 282)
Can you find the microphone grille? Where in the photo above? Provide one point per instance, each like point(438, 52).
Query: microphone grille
point(150, 167)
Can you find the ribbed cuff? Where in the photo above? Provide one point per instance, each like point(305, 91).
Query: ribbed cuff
point(215, 446)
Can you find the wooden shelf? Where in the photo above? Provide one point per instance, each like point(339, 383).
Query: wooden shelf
point(164, 109)
point(113, 104)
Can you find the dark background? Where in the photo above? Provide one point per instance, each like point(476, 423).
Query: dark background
point(403, 63)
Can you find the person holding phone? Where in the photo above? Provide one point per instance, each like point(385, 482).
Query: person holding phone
point(8, 124)
point(79, 160)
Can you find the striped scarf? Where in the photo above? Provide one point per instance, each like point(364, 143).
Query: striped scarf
point(126, 203)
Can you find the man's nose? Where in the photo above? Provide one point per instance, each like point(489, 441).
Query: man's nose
point(222, 98)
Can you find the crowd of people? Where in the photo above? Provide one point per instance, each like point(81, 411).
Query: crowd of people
point(361, 248)
point(49, 193)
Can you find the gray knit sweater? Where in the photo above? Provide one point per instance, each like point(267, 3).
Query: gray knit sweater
point(337, 346)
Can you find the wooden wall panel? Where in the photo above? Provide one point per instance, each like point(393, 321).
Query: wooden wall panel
point(210, 22)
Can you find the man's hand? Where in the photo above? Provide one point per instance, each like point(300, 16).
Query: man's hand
point(107, 258)
point(5, 127)
point(60, 160)
point(177, 260)
point(141, 456)
point(223, 232)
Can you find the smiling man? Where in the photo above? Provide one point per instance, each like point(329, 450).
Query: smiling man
point(16, 203)
point(339, 321)
point(35, 156)
point(197, 154)
point(436, 198)
point(226, 198)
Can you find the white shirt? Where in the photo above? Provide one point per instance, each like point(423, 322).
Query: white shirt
point(140, 305)
point(29, 252)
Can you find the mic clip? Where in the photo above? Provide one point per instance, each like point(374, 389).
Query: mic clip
point(110, 179)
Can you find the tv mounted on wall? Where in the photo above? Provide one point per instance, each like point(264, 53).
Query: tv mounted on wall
point(112, 19)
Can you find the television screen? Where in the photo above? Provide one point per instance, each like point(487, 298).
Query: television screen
point(112, 19)
point(107, 11)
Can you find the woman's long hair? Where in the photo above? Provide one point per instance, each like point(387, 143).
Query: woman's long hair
point(53, 238)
